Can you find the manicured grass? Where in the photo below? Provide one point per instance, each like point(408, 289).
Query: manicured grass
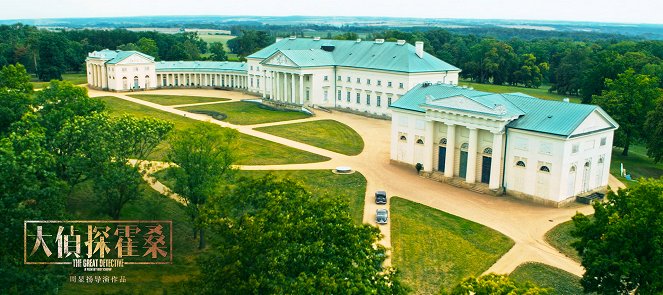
point(562, 282)
point(435, 250)
point(73, 78)
point(141, 279)
point(348, 187)
point(637, 163)
point(541, 92)
point(169, 100)
point(560, 238)
point(327, 134)
point(248, 113)
point(217, 38)
point(251, 151)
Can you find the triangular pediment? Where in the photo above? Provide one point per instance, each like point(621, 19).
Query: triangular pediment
point(135, 59)
point(463, 103)
point(595, 121)
point(279, 59)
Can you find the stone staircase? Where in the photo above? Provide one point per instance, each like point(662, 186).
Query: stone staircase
point(480, 188)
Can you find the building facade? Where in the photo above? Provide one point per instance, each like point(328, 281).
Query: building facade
point(362, 76)
point(545, 151)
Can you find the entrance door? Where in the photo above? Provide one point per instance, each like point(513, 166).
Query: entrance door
point(585, 177)
point(136, 85)
point(485, 169)
point(463, 165)
point(571, 190)
point(441, 158)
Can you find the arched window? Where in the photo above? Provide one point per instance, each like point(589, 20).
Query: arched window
point(544, 169)
point(403, 138)
point(443, 141)
point(520, 163)
point(587, 164)
point(420, 141)
point(488, 151)
point(573, 169)
point(464, 146)
point(601, 160)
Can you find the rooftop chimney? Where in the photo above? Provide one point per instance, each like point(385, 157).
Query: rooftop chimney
point(379, 41)
point(358, 40)
point(400, 42)
point(279, 39)
point(316, 38)
point(419, 45)
point(293, 37)
point(566, 99)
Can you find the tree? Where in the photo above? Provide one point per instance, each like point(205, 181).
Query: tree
point(622, 246)
point(494, 284)
point(15, 95)
point(628, 100)
point(217, 51)
point(204, 156)
point(149, 47)
point(249, 42)
point(654, 127)
point(128, 47)
point(52, 48)
point(273, 236)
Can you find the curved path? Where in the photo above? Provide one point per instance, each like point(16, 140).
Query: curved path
point(524, 222)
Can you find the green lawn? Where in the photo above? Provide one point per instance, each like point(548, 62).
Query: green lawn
point(141, 279)
point(638, 164)
point(546, 276)
point(248, 113)
point(217, 38)
point(348, 187)
point(327, 134)
point(73, 78)
point(560, 238)
point(435, 250)
point(169, 100)
point(252, 151)
point(541, 92)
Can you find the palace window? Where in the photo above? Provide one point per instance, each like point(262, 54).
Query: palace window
point(368, 99)
point(338, 95)
point(251, 68)
point(420, 141)
point(389, 84)
point(400, 85)
point(604, 141)
point(575, 148)
point(348, 98)
point(258, 82)
point(326, 78)
point(251, 81)
point(338, 78)
point(388, 101)
point(379, 82)
point(358, 80)
point(443, 141)
point(378, 100)
point(368, 81)
point(403, 138)
point(348, 78)
point(326, 95)
point(544, 169)
point(258, 69)
point(520, 164)
point(488, 151)
point(464, 147)
point(358, 97)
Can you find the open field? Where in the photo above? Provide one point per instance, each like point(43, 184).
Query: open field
point(247, 113)
point(638, 164)
point(349, 187)
point(217, 38)
point(541, 92)
point(327, 134)
point(168, 100)
point(73, 78)
point(546, 276)
point(560, 238)
point(141, 279)
point(435, 250)
point(252, 151)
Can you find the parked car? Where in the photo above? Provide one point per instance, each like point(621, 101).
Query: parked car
point(381, 197)
point(381, 216)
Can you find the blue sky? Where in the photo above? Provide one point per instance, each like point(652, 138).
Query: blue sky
point(632, 11)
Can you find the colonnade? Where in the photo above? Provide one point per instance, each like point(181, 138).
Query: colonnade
point(286, 87)
point(229, 80)
point(97, 75)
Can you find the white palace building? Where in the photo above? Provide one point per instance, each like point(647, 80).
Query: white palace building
point(530, 148)
point(363, 76)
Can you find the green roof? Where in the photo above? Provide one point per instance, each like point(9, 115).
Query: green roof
point(201, 66)
point(115, 56)
point(525, 112)
point(389, 56)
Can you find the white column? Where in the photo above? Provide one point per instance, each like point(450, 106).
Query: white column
point(278, 86)
point(292, 88)
point(285, 87)
point(104, 78)
point(428, 146)
point(96, 76)
point(264, 85)
point(472, 157)
point(301, 89)
point(451, 151)
point(496, 162)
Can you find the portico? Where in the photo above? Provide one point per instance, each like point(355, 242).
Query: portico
point(287, 86)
